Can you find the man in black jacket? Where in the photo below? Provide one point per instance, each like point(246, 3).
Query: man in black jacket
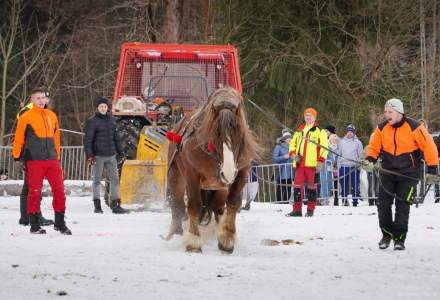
point(101, 143)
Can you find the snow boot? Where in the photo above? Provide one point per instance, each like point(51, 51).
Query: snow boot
point(311, 204)
point(115, 205)
point(60, 224)
point(24, 221)
point(384, 242)
point(297, 204)
point(97, 203)
point(44, 221)
point(34, 220)
point(399, 245)
point(294, 214)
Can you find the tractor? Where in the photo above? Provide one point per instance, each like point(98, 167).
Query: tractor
point(156, 85)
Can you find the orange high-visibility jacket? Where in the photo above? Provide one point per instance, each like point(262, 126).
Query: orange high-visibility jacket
point(400, 146)
point(37, 136)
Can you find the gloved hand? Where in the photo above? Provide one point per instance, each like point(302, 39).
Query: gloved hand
point(368, 165)
point(319, 165)
point(432, 177)
point(91, 161)
point(19, 165)
point(296, 158)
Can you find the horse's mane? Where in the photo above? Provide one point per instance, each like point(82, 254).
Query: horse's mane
point(222, 117)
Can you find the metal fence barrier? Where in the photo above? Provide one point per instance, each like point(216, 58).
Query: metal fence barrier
point(275, 184)
point(73, 161)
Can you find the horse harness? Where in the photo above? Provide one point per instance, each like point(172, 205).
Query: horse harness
point(185, 133)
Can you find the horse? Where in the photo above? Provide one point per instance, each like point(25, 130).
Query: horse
point(209, 160)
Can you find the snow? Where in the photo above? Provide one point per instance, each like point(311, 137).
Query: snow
point(123, 256)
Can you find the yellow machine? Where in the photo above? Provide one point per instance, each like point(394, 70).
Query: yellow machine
point(145, 177)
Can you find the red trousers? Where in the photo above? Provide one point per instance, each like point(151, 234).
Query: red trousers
point(36, 171)
point(305, 176)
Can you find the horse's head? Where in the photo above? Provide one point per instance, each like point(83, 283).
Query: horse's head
point(223, 124)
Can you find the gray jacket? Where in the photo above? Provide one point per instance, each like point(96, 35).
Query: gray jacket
point(351, 149)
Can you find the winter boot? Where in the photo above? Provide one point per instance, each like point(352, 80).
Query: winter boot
point(97, 203)
point(24, 217)
point(297, 204)
point(294, 214)
point(34, 220)
point(399, 245)
point(384, 242)
point(60, 225)
point(311, 204)
point(44, 221)
point(115, 205)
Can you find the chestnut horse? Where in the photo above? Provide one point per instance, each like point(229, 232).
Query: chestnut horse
point(210, 162)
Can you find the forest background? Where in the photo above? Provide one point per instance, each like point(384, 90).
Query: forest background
point(345, 58)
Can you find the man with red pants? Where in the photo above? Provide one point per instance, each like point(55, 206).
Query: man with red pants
point(37, 142)
point(307, 156)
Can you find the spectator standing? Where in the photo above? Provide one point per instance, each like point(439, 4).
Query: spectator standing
point(350, 150)
point(422, 181)
point(250, 190)
point(307, 156)
point(24, 217)
point(101, 144)
point(37, 142)
point(326, 172)
point(280, 156)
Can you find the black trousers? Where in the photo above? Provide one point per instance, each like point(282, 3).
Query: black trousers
point(23, 200)
point(401, 191)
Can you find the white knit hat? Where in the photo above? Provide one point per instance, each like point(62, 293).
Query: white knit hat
point(395, 104)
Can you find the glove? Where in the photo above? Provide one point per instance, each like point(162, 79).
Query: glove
point(91, 161)
point(319, 165)
point(432, 176)
point(368, 165)
point(296, 158)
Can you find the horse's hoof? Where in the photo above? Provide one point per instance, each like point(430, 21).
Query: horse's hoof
point(192, 249)
point(228, 250)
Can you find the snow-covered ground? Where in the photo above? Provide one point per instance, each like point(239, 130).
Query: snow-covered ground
point(123, 257)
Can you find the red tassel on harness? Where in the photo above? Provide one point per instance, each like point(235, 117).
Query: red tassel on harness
point(174, 137)
point(211, 147)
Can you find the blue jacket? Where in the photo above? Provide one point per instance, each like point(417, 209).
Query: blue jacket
point(286, 170)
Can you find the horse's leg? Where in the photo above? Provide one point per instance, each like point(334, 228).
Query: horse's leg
point(176, 191)
point(192, 239)
point(226, 230)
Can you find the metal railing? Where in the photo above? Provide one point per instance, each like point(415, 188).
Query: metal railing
point(349, 186)
point(73, 161)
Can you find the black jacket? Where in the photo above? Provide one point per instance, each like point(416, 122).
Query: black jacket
point(100, 137)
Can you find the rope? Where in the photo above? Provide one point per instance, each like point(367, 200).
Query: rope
point(360, 163)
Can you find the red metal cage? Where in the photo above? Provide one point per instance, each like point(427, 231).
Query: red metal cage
point(184, 74)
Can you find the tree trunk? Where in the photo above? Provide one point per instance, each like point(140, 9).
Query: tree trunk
point(172, 23)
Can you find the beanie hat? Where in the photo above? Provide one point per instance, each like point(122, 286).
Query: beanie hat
point(331, 128)
point(311, 111)
point(100, 101)
point(350, 127)
point(395, 104)
point(286, 135)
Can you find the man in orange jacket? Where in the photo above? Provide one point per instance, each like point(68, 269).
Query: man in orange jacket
point(398, 141)
point(37, 142)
